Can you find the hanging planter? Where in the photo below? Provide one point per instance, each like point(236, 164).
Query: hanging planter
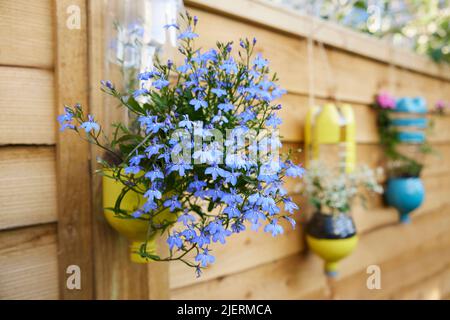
point(331, 232)
point(163, 174)
point(401, 125)
point(141, 235)
point(332, 237)
point(406, 195)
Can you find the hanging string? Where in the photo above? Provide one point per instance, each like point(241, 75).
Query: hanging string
point(331, 80)
point(392, 68)
point(311, 79)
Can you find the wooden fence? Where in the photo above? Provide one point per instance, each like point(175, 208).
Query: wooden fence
point(50, 209)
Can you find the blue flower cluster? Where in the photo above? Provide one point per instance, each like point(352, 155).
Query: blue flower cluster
point(213, 189)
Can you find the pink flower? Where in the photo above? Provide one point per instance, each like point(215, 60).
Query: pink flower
point(385, 100)
point(440, 105)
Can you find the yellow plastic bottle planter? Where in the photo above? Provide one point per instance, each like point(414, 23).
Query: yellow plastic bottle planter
point(332, 237)
point(135, 230)
point(330, 136)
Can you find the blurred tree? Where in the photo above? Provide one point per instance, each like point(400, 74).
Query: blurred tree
point(423, 25)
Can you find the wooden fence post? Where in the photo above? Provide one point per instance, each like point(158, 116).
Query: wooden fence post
point(73, 167)
point(116, 277)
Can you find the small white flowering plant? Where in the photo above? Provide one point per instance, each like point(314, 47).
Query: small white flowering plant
point(330, 192)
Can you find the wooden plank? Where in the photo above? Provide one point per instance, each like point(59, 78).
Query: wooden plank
point(288, 57)
point(73, 169)
point(436, 286)
point(295, 108)
point(409, 268)
point(281, 19)
point(27, 114)
point(298, 276)
point(28, 263)
point(27, 186)
point(288, 278)
point(26, 33)
point(116, 277)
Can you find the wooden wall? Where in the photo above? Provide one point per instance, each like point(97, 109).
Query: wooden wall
point(28, 196)
point(414, 259)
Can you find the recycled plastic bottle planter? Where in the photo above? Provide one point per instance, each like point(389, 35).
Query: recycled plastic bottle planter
point(134, 229)
point(406, 195)
point(332, 237)
point(406, 192)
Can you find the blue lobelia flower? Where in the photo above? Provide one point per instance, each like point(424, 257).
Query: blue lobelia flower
point(160, 83)
point(290, 206)
point(185, 218)
point(274, 228)
point(133, 169)
point(294, 170)
point(278, 93)
point(174, 241)
point(215, 193)
point(155, 174)
point(232, 198)
point(260, 62)
point(232, 211)
point(136, 160)
point(229, 66)
point(226, 107)
point(65, 120)
point(107, 84)
point(219, 92)
point(153, 149)
point(198, 103)
point(232, 177)
point(237, 227)
point(291, 221)
point(254, 215)
point(184, 68)
point(215, 172)
point(273, 121)
point(147, 75)
point(196, 185)
point(217, 231)
point(150, 205)
point(172, 203)
point(189, 233)
point(202, 239)
point(186, 123)
point(205, 258)
point(153, 194)
point(140, 92)
point(181, 167)
point(90, 125)
point(138, 213)
point(188, 34)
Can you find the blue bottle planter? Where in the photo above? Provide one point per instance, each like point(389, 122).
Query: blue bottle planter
point(406, 195)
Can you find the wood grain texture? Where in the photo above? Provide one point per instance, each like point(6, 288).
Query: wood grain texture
point(27, 186)
point(415, 262)
point(26, 30)
point(300, 276)
point(73, 167)
point(27, 113)
point(28, 263)
point(285, 20)
point(288, 57)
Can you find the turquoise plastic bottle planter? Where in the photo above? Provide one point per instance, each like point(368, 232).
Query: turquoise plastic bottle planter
point(406, 195)
point(411, 121)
